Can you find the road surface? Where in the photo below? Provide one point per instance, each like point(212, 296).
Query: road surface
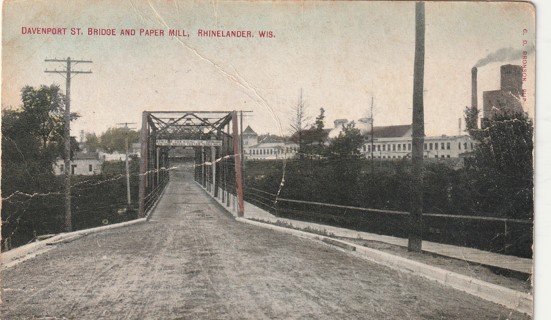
point(194, 261)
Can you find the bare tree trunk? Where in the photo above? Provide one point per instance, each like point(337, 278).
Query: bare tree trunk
point(298, 124)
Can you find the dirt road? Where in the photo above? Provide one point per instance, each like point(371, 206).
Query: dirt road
point(193, 261)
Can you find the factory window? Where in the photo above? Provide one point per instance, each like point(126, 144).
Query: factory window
point(459, 145)
point(409, 146)
point(378, 147)
point(442, 156)
point(399, 147)
point(448, 146)
point(442, 146)
point(430, 146)
point(393, 147)
point(404, 147)
point(448, 156)
point(472, 146)
point(465, 145)
point(384, 147)
point(90, 168)
point(436, 146)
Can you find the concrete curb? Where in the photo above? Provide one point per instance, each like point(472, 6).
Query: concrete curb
point(13, 257)
point(512, 299)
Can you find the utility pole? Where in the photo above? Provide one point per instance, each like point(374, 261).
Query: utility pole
point(67, 73)
point(127, 165)
point(241, 140)
point(418, 133)
point(372, 142)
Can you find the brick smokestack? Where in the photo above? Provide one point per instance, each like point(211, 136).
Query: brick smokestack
point(474, 95)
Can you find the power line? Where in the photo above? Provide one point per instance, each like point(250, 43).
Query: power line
point(67, 73)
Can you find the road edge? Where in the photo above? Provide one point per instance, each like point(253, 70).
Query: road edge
point(15, 256)
point(512, 299)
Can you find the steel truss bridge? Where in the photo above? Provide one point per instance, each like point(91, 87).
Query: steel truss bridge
point(215, 138)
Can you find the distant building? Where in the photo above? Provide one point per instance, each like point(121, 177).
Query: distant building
point(136, 149)
point(394, 142)
point(83, 163)
point(268, 148)
point(508, 98)
point(389, 142)
point(133, 150)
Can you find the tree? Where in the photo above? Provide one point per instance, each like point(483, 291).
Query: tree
point(32, 139)
point(347, 145)
point(501, 166)
point(43, 111)
point(32, 136)
point(114, 139)
point(471, 119)
point(92, 141)
point(299, 124)
point(313, 139)
point(320, 124)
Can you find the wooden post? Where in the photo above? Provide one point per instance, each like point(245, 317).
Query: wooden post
point(213, 161)
point(203, 180)
point(418, 133)
point(144, 138)
point(158, 166)
point(238, 172)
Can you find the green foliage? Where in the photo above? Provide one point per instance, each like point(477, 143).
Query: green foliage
point(347, 145)
point(32, 138)
point(320, 120)
point(92, 142)
point(501, 167)
point(114, 139)
point(43, 112)
point(353, 183)
point(471, 119)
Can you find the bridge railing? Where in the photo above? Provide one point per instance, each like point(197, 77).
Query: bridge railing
point(154, 190)
point(218, 178)
point(496, 234)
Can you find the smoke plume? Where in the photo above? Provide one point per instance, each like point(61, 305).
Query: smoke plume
point(504, 54)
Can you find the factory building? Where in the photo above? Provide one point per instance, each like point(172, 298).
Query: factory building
point(268, 148)
point(507, 99)
point(394, 142)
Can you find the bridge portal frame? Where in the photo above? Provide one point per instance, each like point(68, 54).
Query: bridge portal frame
point(196, 125)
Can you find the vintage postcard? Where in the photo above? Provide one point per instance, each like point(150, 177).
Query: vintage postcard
point(267, 159)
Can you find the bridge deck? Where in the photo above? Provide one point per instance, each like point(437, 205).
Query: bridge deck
point(194, 261)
